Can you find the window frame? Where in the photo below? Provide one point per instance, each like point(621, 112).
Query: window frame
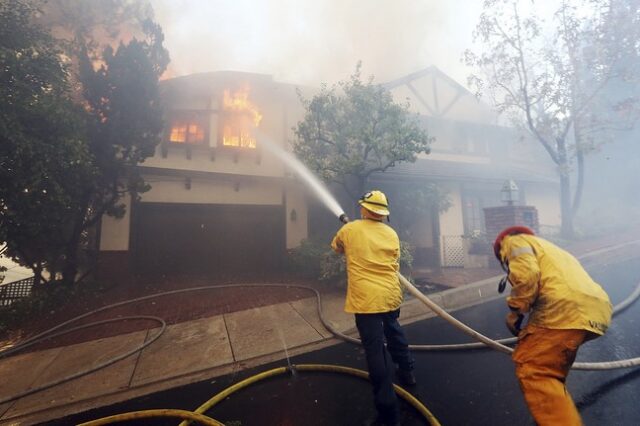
point(189, 119)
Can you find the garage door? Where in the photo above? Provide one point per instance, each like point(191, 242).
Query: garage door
point(185, 239)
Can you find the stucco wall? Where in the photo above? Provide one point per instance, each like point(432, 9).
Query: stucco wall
point(297, 217)
point(227, 190)
point(114, 233)
point(451, 222)
point(546, 199)
point(421, 232)
point(451, 225)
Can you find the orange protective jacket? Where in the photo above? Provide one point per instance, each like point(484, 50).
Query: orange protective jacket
point(551, 285)
point(372, 250)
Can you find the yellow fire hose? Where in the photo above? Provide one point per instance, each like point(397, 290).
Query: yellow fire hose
point(146, 414)
point(198, 414)
point(483, 340)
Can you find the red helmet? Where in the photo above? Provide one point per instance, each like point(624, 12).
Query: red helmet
point(512, 230)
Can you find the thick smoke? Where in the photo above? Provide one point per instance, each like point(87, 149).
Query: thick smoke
point(309, 42)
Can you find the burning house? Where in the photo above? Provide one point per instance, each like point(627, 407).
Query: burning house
point(220, 202)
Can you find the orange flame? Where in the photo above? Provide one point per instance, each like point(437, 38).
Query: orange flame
point(244, 117)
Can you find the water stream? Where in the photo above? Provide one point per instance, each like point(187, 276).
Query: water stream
point(311, 180)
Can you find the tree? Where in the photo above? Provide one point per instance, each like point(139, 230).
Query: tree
point(412, 200)
point(69, 155)
point(42, 150)
point(550, 76)
point(346, 137)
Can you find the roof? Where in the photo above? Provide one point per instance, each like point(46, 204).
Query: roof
point(454, 170)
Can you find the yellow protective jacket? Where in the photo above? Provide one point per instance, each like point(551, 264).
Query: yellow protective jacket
point(551, 284)
point(372, 250)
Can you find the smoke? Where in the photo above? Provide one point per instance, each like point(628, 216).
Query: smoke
point(310, 42)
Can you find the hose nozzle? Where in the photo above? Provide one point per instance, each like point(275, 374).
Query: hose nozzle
point(343, 218)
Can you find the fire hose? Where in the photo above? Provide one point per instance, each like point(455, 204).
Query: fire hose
point(483, 340)
point(198, 413)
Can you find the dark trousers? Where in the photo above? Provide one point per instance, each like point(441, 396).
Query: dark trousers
point(374, 329)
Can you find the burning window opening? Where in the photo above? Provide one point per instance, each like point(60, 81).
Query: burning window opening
point(241, 118)
point(186, 132)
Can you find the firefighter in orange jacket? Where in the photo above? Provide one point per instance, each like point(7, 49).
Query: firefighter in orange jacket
point(566, 308)
point(374, 295)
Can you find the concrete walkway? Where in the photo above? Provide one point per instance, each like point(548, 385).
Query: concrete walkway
point(202, 349)
point(187, 352)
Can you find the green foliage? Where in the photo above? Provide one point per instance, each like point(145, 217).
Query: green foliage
point(43, 157)
point(305, 259)
point(479, 243)
point(315, 259)
point(67, 156)
point(45, 301)
point(406, 256)
point(412, 200)
point(355, 129)
point(550, 75)
point(124, 103)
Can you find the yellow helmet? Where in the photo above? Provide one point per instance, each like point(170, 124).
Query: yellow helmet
point(376, 202)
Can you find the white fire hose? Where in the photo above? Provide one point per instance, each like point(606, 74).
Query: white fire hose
point(609, 365)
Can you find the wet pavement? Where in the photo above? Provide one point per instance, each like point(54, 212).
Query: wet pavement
point(460, 388)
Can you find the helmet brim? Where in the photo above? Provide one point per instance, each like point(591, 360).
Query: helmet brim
point(373, 208)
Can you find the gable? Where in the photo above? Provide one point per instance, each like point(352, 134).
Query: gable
point(431, 92)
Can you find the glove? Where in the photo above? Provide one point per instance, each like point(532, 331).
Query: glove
point(514, 322)
point(503, 283)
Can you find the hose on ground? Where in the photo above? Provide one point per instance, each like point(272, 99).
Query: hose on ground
point(199, 416)
point(163, 326)
point(146, 414)
point(608, 365)
point(413, 401)
point(483, 340)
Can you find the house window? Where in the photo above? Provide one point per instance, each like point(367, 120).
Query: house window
point(237, 131)
point(240, 118)
point(187, 131)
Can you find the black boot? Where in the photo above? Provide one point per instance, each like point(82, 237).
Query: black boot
point(406, 377)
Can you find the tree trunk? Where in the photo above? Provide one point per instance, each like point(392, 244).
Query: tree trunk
point(577, 197)
point(566, 225)
point(37, 275)
point(354, 187)
point(70, 267)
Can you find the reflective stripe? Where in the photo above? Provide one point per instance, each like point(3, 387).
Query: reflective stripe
point(521, 250)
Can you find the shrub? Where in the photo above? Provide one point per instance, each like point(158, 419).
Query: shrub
point(306, 258)
point(315, 259)
point(43, 301)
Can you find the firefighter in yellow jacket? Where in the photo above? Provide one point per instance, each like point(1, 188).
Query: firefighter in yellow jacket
point(566, 308)
point(374, 295)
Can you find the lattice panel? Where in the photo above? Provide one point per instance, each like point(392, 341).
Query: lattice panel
point(15, 290)
point(453, 251)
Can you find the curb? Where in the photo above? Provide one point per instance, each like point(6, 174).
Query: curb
point(451, 300)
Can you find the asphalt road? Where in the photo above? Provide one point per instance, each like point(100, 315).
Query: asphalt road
point(460, 388)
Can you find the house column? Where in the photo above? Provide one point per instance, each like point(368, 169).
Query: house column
point(452, 251)
point(296, 214)
point(114, 255)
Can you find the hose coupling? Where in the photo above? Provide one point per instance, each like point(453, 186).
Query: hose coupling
point(294, 371)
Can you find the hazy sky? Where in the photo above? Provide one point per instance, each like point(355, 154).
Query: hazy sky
point(309, 42)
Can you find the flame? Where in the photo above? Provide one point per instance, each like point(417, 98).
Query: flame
point(239, 102)
point(186, 132)
point(243, 117)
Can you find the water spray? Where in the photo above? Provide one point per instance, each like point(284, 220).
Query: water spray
point(333, 205)
point(306, 175)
